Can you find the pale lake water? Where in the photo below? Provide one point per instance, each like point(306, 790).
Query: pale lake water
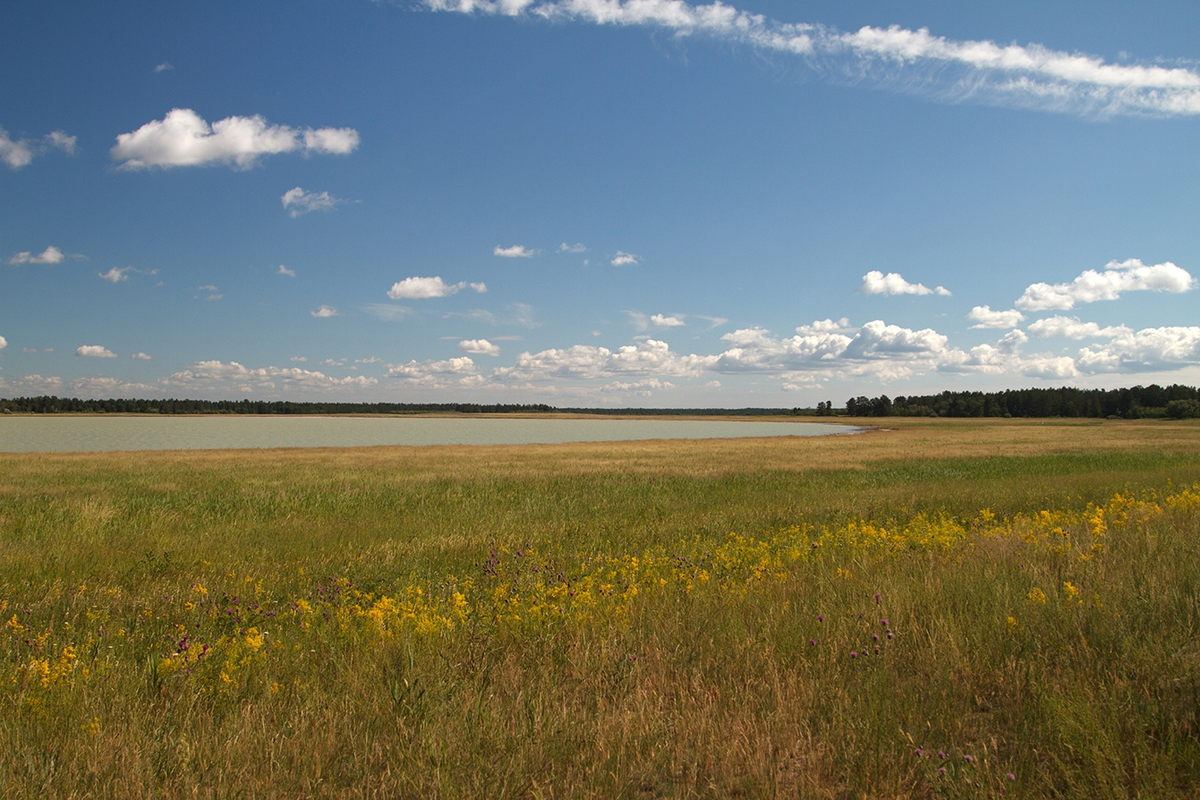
point(51, 433)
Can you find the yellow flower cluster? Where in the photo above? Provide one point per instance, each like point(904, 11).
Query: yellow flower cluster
point(224, 641)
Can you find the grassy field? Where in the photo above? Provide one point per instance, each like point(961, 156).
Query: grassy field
point(945, 608)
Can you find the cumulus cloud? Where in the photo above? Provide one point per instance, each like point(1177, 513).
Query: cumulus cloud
point(116, 274)
point(217, 377)
point(94, 351)
point(1147, 350)
point(141, 357)
point(164, 67)
point(643, 388)
point(291, 273)
point(324, 312)
point(1071, 328)
point(623, 259)
point(480, 347)
point(417, 288)
point(667, 321)
point(298, 202)
point(33, 385)
point(1049, 367)
point(875, 282)
point(822, 326)
point(516, 251)
point(183, 139)
point(829, 346)
point(1116, 278)
point(915, 61)
point(985, 317)
point(458, 372)
point(649, 357)
point(119, 274)
point(51, 255)
point(18, 153)
point(3, 343)
point(571, 248)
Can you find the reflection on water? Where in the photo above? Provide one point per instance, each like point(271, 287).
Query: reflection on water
point(21, 433)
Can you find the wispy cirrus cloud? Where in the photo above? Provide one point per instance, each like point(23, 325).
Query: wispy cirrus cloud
point(184, 139)
point(897, 58)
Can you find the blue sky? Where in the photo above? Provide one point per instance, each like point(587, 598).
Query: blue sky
point(596, 202)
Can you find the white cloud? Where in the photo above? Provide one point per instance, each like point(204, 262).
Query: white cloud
point(1026, 76)
point(985, 317)
point(877, 339)
point(164, 67)
point(649, 357)
point(1147, 350)
point(887, 351)
point(3, 343)
point(94, 351)
point(417, 288)
point(116, 274)
point(141, 357)
point(1118, 277)
point(1074, 329)
point(875, 282)
point(218, 378)
point(183, 139)
point(298, 202)
point(636, 389)
point(291, 273)
point(1049, 367)
point(51, 255)
point(571, 248)
point(671, 321)
point(299, 359)
point(821, 326)
point(324, 312)
point(516, 251)
point(33, 385)
point(460, 372)
point(480, 347)
point(623, 259)
point(18, 153)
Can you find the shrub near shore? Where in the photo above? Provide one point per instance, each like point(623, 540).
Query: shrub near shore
point(914, 648)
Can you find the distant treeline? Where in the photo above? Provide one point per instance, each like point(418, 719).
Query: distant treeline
point(1138, 402)
point(63, 405)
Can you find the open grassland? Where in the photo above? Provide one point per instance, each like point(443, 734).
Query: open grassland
point(949, 608)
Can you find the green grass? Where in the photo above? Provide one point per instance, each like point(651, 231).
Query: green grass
point(1040, 581)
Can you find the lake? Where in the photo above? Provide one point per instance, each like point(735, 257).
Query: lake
point(54, 433)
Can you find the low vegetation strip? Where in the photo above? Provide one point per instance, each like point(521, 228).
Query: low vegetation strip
point(918, 643)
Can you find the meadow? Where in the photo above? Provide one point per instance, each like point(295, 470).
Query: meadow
point(942, 608)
